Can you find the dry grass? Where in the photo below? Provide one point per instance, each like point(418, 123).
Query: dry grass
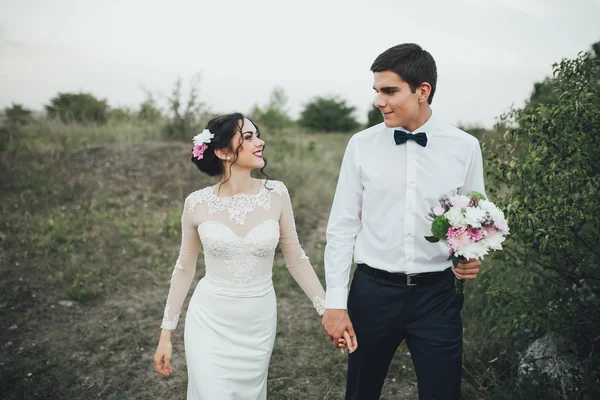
point(98, 225)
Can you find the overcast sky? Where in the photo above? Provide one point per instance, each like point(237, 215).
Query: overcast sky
point(488, 52)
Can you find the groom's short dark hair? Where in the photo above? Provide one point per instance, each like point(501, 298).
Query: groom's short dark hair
point(413, 64)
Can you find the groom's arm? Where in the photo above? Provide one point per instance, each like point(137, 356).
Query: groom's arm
point(342, 228)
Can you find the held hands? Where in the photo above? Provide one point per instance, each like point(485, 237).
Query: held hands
point(467, 269)
point(339, 328)
point(344, 340)
point(162, 357)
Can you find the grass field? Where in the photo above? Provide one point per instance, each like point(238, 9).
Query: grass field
point(89, 233)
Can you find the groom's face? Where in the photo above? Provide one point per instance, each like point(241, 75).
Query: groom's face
point(395, 99)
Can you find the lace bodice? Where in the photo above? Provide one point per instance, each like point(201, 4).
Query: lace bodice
point(239, 235)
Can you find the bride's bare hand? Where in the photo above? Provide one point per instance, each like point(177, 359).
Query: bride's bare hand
point(162, 357)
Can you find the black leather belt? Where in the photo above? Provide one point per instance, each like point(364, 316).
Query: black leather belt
point(422, 279)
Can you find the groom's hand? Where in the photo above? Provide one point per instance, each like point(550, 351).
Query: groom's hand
point(335, 322)
point(467, 269)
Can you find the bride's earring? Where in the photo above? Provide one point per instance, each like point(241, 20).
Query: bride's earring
point(228, 158)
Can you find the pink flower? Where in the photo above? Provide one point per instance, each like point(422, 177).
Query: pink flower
point(458, 238)
point(502, 225)
point(490, 232)
point(439, 210)
point(476, 234)
point(199, 151)
point(460, 201)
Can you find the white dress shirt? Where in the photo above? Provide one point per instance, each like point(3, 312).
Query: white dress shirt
point(383, 196)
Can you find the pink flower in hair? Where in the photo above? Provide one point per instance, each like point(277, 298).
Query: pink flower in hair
point(199, 151)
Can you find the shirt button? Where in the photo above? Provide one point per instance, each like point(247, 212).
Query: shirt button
point(409, 207)
point(409, 233)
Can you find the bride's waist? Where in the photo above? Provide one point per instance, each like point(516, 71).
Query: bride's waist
point(219, 285)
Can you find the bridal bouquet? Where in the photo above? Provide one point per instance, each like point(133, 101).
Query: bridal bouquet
point(470, 225)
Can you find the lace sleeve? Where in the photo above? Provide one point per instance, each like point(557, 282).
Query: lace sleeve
point(295, 259)
point(185, 267)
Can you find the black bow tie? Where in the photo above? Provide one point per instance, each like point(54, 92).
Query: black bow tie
point(401, 137)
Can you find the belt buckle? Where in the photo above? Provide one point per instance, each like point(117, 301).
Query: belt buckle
point(408, 283)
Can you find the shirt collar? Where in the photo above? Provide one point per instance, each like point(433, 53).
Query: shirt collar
point(428, 127)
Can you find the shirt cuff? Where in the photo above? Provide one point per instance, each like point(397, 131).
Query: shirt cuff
point(336, 298)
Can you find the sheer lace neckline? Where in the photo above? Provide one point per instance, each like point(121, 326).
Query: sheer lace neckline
point(260, 191)
point(238, 205)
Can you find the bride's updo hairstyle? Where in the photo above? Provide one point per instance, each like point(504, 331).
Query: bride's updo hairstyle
point(220, 131)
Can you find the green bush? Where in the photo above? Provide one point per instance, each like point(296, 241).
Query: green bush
point(18, 115)
point(545, 174)
point(78, 107)
point(328, 114)
point(274, 115)
point(121, 114)
point(374, 116)
point(149, 111)
point(15, 118)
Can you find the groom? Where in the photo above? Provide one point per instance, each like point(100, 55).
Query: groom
point(403, 287)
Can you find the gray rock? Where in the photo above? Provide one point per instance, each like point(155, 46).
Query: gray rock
point(549, 356)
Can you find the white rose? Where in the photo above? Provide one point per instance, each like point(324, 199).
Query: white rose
point(494, 242)
point(456, 218)
point(474, 250)
point(491, 208)
point(474, 216)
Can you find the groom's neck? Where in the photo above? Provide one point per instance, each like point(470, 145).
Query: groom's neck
point(421, 118)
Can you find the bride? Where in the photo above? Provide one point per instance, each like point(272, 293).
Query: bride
point(232, 315)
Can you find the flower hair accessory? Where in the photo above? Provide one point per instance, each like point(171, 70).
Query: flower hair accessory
point(200, 141)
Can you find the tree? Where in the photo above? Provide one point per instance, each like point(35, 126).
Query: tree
point(275, 114)
point(374, 116)
point(547, 92)
point(328, 114)
point(18, 115)
point(78, 107)
point(184, 121)
point(14, 118)
point(478, 131)
point(544, 92)
point(545, 174)
point(149, 111)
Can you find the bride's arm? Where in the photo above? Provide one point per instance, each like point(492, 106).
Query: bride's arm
point(185, 267)
point(299, 266)
point(295, 259)
point(181, 280)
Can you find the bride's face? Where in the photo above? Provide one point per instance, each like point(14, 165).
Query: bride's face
point(248, 146)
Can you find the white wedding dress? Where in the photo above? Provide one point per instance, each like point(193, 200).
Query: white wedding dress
point(232, 316)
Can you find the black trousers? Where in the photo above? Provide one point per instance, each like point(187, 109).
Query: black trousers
point(384, 312)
